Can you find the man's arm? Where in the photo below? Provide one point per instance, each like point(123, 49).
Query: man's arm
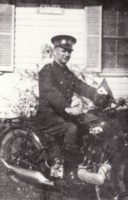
point(84, 89)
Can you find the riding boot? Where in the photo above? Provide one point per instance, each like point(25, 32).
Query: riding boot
point(72, 154)
point(71, 161)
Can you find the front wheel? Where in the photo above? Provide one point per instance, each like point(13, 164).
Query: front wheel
point(120, 174)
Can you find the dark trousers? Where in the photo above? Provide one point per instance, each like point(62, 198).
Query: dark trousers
point(67, 130)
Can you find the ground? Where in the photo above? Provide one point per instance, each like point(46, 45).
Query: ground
point(23, 191)
point(16, 191)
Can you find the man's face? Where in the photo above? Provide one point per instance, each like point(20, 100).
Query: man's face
point(62, 56)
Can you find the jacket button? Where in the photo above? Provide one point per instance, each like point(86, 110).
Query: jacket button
point(61, 82)
point(70, 76)
point(68, 100)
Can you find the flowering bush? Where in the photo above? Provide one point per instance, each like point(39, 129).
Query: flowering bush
point(23, 99)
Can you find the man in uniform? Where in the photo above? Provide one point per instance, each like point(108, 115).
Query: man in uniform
point(56, 87)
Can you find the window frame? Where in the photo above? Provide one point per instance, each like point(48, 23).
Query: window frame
point(113, 71)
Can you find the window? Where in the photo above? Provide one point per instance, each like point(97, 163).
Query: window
point(6, 37)
point(115, 40)
point(106, 40)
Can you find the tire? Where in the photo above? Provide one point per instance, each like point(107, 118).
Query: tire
point(18, 148)
point(121, 177)
point(120, 174)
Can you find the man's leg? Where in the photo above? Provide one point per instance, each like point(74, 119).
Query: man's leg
point(70, 136)
point(67, 130)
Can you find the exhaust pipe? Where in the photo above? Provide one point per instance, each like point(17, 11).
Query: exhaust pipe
point(95, 178)
point(35, 175)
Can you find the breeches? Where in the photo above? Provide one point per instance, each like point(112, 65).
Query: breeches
point(67, 130)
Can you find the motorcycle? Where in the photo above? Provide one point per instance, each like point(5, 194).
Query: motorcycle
point(104, 147)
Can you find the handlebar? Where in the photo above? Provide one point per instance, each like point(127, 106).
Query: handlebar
point(114, 105)
point(122, 102)
point(117, 105)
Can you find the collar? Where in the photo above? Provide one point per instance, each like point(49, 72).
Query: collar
point(57, 65)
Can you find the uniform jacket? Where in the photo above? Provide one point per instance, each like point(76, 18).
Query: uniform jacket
point(56, 87)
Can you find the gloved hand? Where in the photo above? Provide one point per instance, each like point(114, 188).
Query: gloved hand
point(102, 100)
point(76, 107)
point(73, 110)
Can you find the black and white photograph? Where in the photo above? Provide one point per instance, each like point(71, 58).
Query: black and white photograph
point(63, 99)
